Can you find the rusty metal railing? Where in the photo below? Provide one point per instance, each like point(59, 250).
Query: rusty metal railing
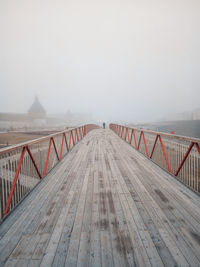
point(178, 155)
point(23, 165)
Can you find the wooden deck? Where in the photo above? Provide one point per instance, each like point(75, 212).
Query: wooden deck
point(104, 204)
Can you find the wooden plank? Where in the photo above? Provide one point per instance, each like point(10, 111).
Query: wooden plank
point(40, 248)
point(170, 229)
point(105, 204)
point(106, 245)
point(28, 211)
point(56, 234)
point(25, 247)
point(72, 254)
point(144, 254)
point(62, 248)
point(121, 243)
point(17, 263)
point(84, 245)
point(55, 184)
point(95, 244)
point(116, 245)
point(66, 200)
point(173, 221)
point(33, 196)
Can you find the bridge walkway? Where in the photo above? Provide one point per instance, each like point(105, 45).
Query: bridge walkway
point(104, 204)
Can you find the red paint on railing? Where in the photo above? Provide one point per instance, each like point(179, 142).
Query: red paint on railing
point(25, 147)
point(34, 163)
point(119, 130)
point(128, 135)
point(165, 154)
point(134, 139)
point(74, 140)
point(14, 182)
point(198, 148)
point(154, 145)
point(48, 154)
point(61, 150)
point(145, 145)
point(55, 148)
point(66, 143)
point(184, 158)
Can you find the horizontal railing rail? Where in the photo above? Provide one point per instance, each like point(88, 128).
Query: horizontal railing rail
point(22, 166)
point(178, 155)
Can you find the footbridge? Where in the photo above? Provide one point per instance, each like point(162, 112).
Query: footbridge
point(101, 197)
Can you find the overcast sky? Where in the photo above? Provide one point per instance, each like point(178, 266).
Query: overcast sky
point(131, 60)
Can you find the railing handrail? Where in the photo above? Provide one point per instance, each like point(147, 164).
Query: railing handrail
point(36, 140)
point(13, 190)
point(178, 155)
point(172, 136)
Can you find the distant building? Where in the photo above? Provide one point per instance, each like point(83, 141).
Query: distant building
point(36, 110)
point(196, 114)
point(37, 118)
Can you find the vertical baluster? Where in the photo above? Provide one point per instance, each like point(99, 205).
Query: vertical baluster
point(22, 188)
point(22, 180)
point(183, 168)
point(186, 168)
point(190, 169)
point(194, 169)
point(3, 188)
point(180, 158)
point(7, 179)
point(31, 174)
point(15, 192)
point(195, 178)
point(187, 165)
point(198, 177)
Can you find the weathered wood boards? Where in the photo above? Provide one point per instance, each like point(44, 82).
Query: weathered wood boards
point(105, 204)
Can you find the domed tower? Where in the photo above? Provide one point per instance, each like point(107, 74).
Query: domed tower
point(36, 110)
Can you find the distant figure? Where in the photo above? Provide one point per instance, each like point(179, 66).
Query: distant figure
point(104, 125)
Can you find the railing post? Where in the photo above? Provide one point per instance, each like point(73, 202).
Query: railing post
point(34, 163)
point(14, 182)
point(70, 140)
point(145, 145)
point(74, 141)
point(165, 155)
point(61, 150)
point(55, 148)
point(154, 145)
point(66, 143)
point(169, 152)
point(138, 146)
point(47, 160)
point(128, 135)
point(198, 148)
point(84, 130)
point(184, 159)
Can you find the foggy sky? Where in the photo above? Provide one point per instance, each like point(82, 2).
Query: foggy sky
point(131, 60)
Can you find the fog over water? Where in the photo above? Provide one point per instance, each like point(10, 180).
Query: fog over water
point(122, 60)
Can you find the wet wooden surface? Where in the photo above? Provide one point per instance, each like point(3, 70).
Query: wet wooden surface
point(104, 204)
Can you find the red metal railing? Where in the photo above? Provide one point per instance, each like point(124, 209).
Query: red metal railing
point(178, 155)
point(23, 165)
